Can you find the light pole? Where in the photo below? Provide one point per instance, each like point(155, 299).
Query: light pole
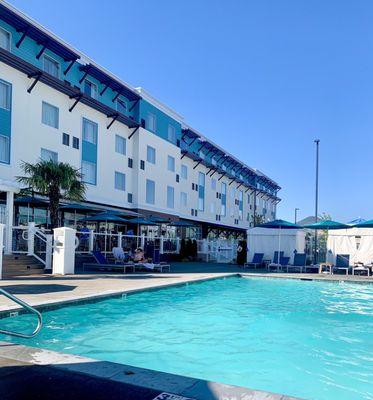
point(295, 215)
point(317, 142)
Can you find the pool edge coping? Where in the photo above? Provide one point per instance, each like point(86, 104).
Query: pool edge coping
point(189, 387)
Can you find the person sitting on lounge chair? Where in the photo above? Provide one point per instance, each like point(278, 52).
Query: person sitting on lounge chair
point(139, 256)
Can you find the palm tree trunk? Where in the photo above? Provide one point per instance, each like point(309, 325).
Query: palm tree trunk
point(54, 205)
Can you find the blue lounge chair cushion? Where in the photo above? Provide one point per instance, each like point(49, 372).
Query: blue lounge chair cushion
point(276, 257)
point(257, 258)
point(299, 259)
point(342, 261)
point(99, 257)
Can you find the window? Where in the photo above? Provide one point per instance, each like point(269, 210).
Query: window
point(201, 191)
point(121, 106)
point(130, 198)
point(213, 184)
point(75, 142)
point(48, 155)
point(150, 154)
point(89, 131)
point(89, 172)
point(171, 134)
point(184, 171)
point(150, 191)
point(51, 66)
point(183, 199)
point(4, 39)
point(177, 178)
point(5, 94)
point(171, 163)
point(66, 139)
point(170, 196)
point(90, 89)
point(130, 163)
point(151, 122)
point(142, 164)
point(223, 193)
point(240, 204)
point(4, 149)
point(49, 115)
point(120, 181)
point(120, 145)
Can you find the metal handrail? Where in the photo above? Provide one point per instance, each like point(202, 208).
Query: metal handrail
point(28, 308)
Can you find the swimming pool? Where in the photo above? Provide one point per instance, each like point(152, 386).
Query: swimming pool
point(308, 339)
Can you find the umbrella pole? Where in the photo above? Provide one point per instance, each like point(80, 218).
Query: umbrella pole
point(279, 247)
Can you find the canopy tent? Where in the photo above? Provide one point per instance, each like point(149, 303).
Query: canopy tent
point(274, 236)
point(182, 224)
point(326, 225)
point(357, 242)
point(356, 221)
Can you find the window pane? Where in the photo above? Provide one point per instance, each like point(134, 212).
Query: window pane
point(89, 172)
point(171, 133)
point(171, 164)
point(183, 199)
point(184, 171)
point(122, 106)
point(4, 39)
point(151, 122)
point(51, 66)
point(49, 115)
point(150, 191)
point(5, 95)
point(120, 144)
point(120, 181)
point(89, 131)
point(75, 142)
point(90, 89)
point(150, 154)
point(4, 149)
point(48, 155)
point(170, 197)
point(201, 191)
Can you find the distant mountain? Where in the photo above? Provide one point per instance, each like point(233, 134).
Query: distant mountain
point(308, 220)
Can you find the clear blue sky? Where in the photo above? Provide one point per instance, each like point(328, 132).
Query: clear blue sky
point(261, 78)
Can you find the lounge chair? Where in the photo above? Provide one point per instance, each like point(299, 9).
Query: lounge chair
point(277, 258)
point(257, 261)
point(342, 263)
point(360, 267)
point(284, 261)
point(299, 262)
point(149, 266)
point(102, 263)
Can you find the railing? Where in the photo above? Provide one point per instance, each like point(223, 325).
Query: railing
point(34, 242)
point(28, 308)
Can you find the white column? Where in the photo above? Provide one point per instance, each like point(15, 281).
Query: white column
point(9, 221)
point(64, 251)
point(161, 243)
point(48, 252)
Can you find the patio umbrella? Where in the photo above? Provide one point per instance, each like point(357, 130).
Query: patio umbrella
point(159, 220)
point(105, 217)
point(279, 224)
point(365, 224)
point(326, 225)
point(182, 224)
point(356, 221)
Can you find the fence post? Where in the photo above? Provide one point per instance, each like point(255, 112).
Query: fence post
point(142, 242)
point(48, 252)
point(161, 243)
point(120, 239)
point(178, 245)
point(2, 226)
point(30, 238)
point(90, 243)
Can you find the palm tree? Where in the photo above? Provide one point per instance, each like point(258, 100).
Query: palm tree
point(55, 180)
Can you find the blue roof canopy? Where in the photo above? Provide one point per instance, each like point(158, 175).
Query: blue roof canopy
point(114, 84)
point(24, 26)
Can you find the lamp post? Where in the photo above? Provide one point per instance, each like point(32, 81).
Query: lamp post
point(317, 142)
point(295, 215)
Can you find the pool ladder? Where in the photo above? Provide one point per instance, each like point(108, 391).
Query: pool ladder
point(27, 307)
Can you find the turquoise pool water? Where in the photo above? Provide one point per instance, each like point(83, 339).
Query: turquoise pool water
point(308, 339)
